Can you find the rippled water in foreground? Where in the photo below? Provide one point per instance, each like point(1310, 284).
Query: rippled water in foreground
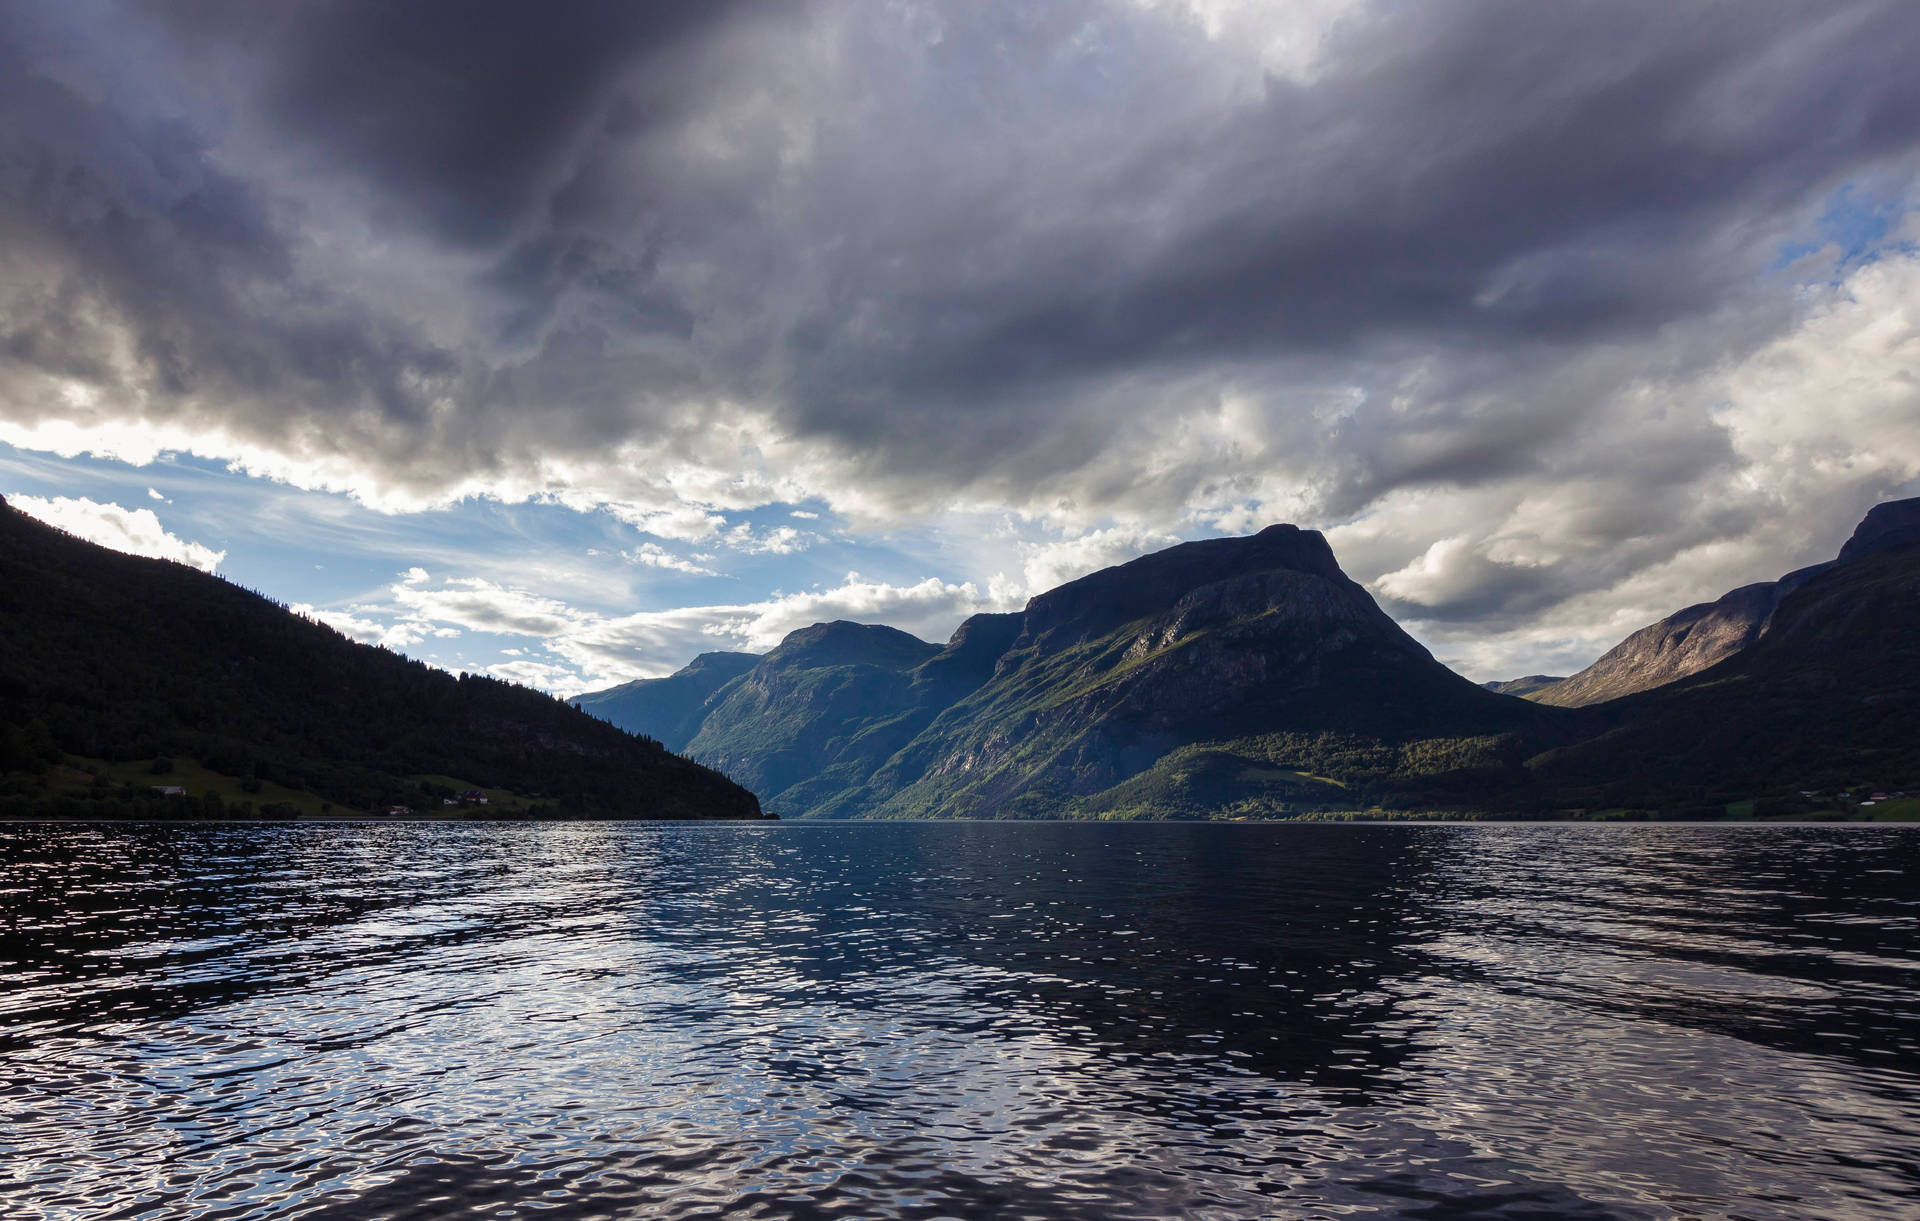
point(926, 1020)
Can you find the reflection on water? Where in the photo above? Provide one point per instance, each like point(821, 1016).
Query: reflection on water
point(958, 1020)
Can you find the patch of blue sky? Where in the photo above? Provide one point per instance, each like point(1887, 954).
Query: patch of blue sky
point(324, 548)
point(1855, 223)
point(349, 562)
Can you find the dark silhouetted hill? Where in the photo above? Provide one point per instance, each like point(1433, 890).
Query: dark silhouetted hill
point(112, 658)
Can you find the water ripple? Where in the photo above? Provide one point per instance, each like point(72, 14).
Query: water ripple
point(957, 1020)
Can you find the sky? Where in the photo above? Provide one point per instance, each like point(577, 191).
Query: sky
point(565, 341)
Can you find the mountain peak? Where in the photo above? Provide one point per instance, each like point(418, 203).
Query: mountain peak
point(1102, 601)
point(845, 643)
point(1889, 524)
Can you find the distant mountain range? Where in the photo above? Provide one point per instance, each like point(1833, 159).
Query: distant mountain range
point(1249, 677)
point(121, 676)
point(1238, 677)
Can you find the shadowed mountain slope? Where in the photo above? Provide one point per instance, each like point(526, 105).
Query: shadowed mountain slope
point(1690, 640)
point(112, 658)
point(1827, 697)
point(818, 713)
point(668, 709)
point(1886, 527)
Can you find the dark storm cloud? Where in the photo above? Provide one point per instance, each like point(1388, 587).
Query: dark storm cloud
point(461, 110)
point(1497, 174)
point(129, 245)
point(1083, 254)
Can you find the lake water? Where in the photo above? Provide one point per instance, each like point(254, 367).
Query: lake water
point(958, 1020)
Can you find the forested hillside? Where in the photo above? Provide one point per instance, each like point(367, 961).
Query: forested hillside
point(108, 661)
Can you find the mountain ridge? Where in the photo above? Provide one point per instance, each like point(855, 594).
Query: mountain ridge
point(1249, 677)
point(1823, 702)
point(1090, 686)
point(1696, 637)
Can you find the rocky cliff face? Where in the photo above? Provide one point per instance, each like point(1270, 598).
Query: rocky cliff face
point(1691, 640)
point(1683, 643)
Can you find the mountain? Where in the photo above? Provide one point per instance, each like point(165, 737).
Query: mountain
point(117, 672)
point(1683, 643)
point(1251, 677)
point(1886, 527)
point(1242, 675)
point(818, 712)
point(1826, 699)
point(669, 709)
point(1690, 640)
point(1524, 685)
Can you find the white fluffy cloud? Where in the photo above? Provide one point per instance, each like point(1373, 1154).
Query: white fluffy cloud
point(135, 531)
point(363, 624)
point(588, 648)
point(480, 605)
point(1826, 418)
point(653, 555)
point(651, 643)
point(1047, 563)
point(781, 540)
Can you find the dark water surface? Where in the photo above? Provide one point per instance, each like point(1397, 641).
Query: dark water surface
point(958, 1020)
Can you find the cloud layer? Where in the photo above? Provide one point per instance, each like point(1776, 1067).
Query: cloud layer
point(571, 649)
point(135, 531)
point(1559, 315)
